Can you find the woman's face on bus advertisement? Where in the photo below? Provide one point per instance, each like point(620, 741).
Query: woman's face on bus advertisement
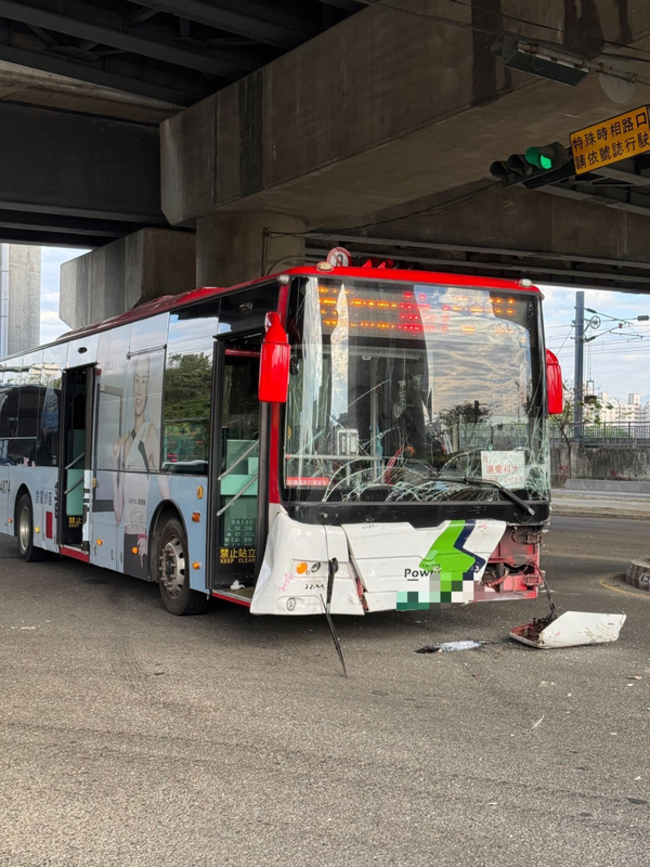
point(140, 384)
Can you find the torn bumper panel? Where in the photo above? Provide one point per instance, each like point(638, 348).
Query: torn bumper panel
point(570, 629)
point(380, 566)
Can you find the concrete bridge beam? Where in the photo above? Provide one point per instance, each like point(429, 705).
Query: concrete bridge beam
point(232, 247)
point(388, 106)
point(484, 228)
point(87, 177)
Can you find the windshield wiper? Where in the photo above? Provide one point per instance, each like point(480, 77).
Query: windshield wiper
point(491, 483)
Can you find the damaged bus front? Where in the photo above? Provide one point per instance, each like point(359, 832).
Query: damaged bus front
point(411, 459)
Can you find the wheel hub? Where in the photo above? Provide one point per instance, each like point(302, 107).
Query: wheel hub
point(172, 567)
point(24, 529)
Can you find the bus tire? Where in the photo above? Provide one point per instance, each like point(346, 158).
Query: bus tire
point(173, 570)
point(25, 530)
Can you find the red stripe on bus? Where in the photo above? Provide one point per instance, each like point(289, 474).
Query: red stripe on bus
point(385, 275)
point(75, 553)
point(245, 602)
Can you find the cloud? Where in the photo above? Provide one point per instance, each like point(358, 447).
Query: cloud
point(49, 316)
point(51, 333)
point(51, 260)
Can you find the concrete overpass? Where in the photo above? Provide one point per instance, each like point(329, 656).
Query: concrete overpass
point(372, 123)
point(85, 83)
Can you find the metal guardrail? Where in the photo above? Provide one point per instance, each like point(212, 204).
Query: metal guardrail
point(631, 433)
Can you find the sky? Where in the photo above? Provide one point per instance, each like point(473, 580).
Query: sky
point(51, 260)
point(617, 362)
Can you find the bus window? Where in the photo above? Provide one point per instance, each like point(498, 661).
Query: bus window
point(10, 388)
point(187, 390)
point(22, 408)
point(8, 411)
point(30, 398)
point(47, 453)
point(186, 416)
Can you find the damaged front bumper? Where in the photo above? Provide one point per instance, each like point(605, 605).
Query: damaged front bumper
point(394, 566)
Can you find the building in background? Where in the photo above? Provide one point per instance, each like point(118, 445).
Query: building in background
point(20, 298)
point(616, 410)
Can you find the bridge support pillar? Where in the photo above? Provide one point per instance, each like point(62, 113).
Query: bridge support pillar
point(233, 247)
point(113, 279)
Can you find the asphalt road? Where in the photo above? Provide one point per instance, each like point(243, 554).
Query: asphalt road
point(130, 737)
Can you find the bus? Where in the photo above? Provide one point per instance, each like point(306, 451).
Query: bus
point(355, 439)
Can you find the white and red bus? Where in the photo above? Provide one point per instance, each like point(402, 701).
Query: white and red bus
point(358, 438)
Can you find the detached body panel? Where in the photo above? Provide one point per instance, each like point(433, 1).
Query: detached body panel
point(571, 629)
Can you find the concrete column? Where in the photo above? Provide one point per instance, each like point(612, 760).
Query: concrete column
point(130, 271)
point(24, 319)
point(233, 247)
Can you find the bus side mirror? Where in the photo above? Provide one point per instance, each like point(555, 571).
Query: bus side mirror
point(274, 362)
point(554, 391)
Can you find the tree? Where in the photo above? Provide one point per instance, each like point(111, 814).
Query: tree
point(564, 420)
point(187, 407)
point(187, 387)
point(593, 405)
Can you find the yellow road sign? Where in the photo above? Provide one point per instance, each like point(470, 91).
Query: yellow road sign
point(609, 141)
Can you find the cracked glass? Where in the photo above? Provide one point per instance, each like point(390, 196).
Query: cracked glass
point(408, 392)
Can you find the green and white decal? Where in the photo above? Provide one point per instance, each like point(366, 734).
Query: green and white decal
point(448, 564)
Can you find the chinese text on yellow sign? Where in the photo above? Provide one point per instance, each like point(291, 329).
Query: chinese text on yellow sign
point(618, 138)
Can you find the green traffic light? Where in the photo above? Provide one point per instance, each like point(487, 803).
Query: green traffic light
point(536, 157)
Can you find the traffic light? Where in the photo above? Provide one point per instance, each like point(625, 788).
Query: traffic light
point(511, 171)
point(553, 156)
point(537, 167)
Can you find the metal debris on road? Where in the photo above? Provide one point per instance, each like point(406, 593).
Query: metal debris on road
point(469, 644)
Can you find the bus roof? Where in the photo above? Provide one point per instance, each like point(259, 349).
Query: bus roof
point(172, 302)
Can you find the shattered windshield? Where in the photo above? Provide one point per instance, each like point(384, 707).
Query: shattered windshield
point(413, 393)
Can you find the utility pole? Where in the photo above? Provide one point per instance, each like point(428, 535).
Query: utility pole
point(579, 368)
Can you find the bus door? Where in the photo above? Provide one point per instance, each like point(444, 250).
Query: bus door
point(74, 466)
point(235, 480)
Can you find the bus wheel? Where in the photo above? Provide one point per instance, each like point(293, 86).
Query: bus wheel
point(25, 530)
point(173, 571)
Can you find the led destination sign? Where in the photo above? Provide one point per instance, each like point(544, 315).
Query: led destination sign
point(409, 313)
